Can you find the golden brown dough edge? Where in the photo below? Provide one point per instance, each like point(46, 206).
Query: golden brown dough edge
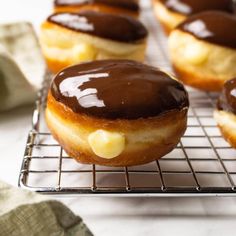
point(228, 132)
point(165, 22)
point(210, 84)
point(128, 158)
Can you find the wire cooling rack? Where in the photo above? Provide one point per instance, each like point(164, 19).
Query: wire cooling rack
point(203, 164)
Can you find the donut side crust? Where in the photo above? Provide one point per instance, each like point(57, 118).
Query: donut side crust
point(226, 122)
point(146, 139)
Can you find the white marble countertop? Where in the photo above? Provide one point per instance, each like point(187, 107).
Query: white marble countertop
point(111, 216)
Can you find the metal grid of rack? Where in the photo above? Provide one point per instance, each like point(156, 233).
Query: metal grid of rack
point(203, 164)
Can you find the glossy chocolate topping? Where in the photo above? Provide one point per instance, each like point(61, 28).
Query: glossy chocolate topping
point(118, 89)
point(127, 4)
point(214, 26)
point(227, 100)
point(189, 7)
point(114, 27)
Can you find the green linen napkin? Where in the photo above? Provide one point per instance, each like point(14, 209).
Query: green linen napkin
point(24, 213)
point(22, 66)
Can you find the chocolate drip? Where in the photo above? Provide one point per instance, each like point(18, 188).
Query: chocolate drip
point(131, 5)
point(118, 89)
point(227, 100)
point(215, 27)
point(114, 27)
point(189, 7)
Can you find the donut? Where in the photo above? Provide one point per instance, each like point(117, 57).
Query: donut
point(225, 113)
point(72, 38)
point(203, 50)
point(116, 112)
point(173, 12)
point(124, 7)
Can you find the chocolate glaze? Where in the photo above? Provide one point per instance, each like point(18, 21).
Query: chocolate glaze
point(213, 26)
point(189, 7)
point(114, 27)
point(227, 100)
point(118, 89)
point(131, 5)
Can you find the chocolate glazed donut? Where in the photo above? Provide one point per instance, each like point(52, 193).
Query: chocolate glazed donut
point(124, 7)
point(71, 38)
point(227, 100)
point(190, 7)
point(203, 50)
point(143, 91)
point(173, 12)
point(213, 27)
point(124, 29)
point(225, 114)
point(116, 112)
point(127, 4)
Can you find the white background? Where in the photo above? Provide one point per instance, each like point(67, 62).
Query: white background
point(111, 216)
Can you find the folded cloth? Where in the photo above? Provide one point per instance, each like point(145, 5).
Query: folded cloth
point(22, 66)
point(24, 213)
